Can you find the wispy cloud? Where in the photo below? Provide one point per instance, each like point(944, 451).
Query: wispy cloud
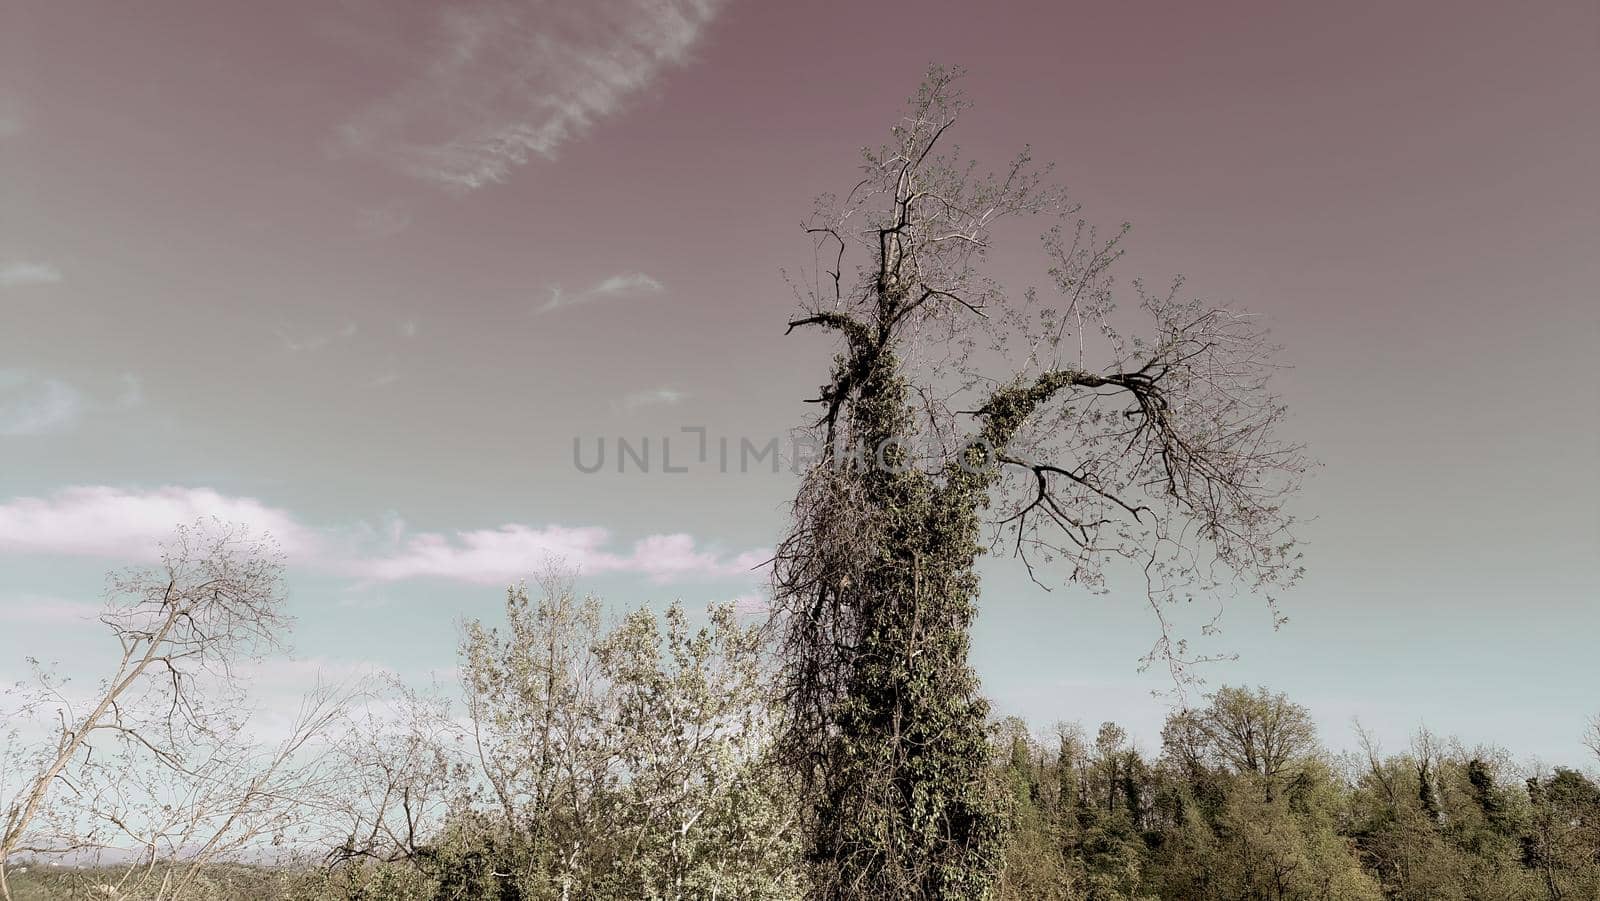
point(32, 404)
point(304, 343)
point(655, 397)
point(36, 610)
point(23, 274)
point(622, 285)
point(377, 223)
point(505, 81)
point(130, 391)
point(129, 524)
point(626, 284)
point(13, 120)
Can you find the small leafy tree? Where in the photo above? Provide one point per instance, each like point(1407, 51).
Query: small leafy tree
point(698, 814)
point(627, 763)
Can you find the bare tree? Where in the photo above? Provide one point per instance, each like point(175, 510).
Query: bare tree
point(400, 762)
point(183, 627)
point(240, 799)
point(1428, 759)
point(1380, 774)
point(958, 416)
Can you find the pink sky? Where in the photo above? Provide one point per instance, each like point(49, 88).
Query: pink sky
point(357, 264)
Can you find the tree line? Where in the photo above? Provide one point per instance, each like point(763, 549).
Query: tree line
point(1242, 802)
point(635, 758)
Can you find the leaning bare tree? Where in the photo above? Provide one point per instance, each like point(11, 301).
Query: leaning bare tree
point(231, 798)
point(957, 418)
point(165, 714)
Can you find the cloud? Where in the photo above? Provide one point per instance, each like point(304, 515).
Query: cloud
point(36, 610)
point(515, 551)
point(505, 81)
point(624, 285)
point(23, 274)
point(627, 284)
point(377, 223)
point(35, 405)
point(128, 524)
point(125, 524)
point(316, 341)
point(131, 391)
point(13, 120)
point(655, 397)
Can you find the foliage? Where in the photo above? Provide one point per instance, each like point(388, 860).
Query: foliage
point(621, 763)
point(1208, 821)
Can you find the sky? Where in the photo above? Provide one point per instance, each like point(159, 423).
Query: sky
point(361, 273)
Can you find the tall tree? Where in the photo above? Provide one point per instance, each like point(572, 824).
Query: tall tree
point(957, 416)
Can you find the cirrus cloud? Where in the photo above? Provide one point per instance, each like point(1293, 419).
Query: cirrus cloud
point(39, 610)
point(32, 404)
point(622, 285)
point(505, 81)
point(23, 273)
point(654, 397)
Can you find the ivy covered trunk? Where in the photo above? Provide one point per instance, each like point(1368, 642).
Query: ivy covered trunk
point(905, 810)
